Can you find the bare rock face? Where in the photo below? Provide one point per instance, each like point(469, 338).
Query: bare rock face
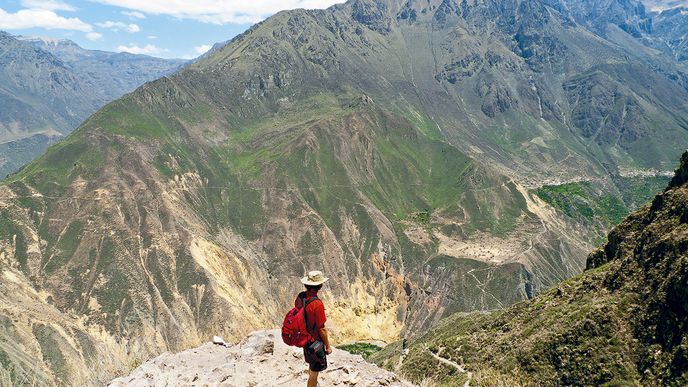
point(262, 359)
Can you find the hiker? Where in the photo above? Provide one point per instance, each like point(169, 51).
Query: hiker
point(318, 347)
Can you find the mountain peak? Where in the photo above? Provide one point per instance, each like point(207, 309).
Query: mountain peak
point(47, 41)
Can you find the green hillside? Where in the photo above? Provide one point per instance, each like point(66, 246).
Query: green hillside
point(623, 321)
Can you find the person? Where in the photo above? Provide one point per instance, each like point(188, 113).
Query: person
point(316, 351)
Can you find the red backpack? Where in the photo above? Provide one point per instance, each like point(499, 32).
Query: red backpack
point(295, 326)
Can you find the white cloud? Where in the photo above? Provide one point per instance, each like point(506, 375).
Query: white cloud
point(50, 5)
point(148, 49)
point(203, 48)
point(663, 5)
point(151, 37)
point(40, 18)
point(134, 14)
point(93, 36)
point(218, 11)
point(116, 26)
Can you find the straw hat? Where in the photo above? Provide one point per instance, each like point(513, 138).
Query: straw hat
point(314, 278)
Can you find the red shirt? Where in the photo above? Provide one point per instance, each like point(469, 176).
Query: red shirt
point(315, 313)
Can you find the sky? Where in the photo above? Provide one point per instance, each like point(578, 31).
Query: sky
point(163, 28)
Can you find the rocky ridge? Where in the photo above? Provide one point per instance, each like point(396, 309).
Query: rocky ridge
point(260, 360)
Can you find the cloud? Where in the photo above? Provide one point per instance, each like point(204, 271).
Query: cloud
point(218, 11)
point(93, 36)
point(151, 37)
point(202, 49)
point(148, 49)
point(134, 14)
point(198, 50)
point(116, 26)
point(40, 18)
point(50, 5)
point(663, 5)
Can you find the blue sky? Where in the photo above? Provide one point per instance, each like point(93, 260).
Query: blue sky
point(163, 28)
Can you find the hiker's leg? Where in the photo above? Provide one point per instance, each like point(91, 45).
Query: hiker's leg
point(312, 378)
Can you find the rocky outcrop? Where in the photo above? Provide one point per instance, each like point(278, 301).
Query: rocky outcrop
point(260, 360)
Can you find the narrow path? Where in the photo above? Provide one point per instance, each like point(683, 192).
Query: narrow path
point(458, 366)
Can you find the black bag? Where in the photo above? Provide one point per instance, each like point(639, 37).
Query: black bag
point(317, 347)
point(315, 356)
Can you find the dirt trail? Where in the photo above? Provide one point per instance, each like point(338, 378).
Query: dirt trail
point(458, 366)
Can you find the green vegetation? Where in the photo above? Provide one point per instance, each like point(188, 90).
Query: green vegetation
point(572, 199)
point(66, 246)
point(128, 118)
point(363, 349)
point(422, 217)
point(51, 350)
point(7, 366)
point(9, 231)
point(637, 191)
point(553, 338)
point(586, 202)
point(59, 166)
point(323, 135)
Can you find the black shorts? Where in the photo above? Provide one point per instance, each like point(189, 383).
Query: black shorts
point(315, 356)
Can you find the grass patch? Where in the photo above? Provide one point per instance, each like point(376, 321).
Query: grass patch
point(363, 349)
point(572, 199)
point(605, 206)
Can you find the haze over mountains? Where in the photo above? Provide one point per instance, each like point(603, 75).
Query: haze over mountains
point(49, 86)
point(431, 156)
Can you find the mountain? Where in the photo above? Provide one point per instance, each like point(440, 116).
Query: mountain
point(660, 25)
point(623, 321)
point(109, 74)
point(48, 87)
point(673, 25)
point(41, 99)
point(400, 146)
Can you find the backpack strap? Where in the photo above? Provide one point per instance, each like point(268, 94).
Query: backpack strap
point(304, 304)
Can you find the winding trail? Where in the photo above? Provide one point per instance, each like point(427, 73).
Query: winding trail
point(458, 366)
